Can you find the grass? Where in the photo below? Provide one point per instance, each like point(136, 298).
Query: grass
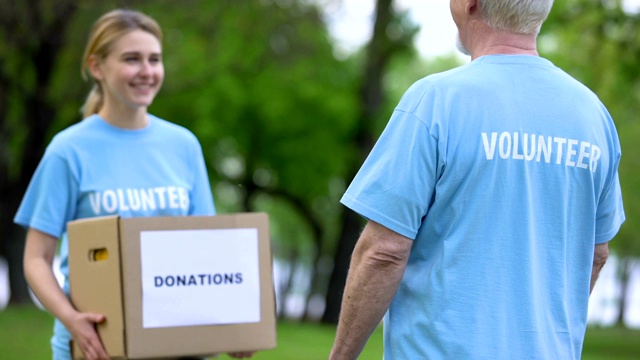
point(611, 343)
point(25, 332)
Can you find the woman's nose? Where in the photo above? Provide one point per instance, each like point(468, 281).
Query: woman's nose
point(145, 68)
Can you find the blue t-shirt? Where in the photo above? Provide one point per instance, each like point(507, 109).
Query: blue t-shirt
point(94, 169)
point(505, 173)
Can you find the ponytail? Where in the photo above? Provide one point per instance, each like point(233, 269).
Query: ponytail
point(93, 103)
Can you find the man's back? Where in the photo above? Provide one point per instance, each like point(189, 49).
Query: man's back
point(503, 171)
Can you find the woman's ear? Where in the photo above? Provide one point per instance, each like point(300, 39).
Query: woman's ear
point(95, 67)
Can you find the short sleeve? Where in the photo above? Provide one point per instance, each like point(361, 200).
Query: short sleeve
point(51, 197)
point(395, 184)
point(610, 214)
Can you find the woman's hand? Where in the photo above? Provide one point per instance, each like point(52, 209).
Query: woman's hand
point(82, 327)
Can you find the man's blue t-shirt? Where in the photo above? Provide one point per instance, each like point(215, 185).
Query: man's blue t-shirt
point(505, 172)
point(94, 169)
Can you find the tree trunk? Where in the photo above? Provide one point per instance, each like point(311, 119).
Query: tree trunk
point(38, 49)
point(624, 273)
point(284, 289)
point(379, 52)
point(351, 226)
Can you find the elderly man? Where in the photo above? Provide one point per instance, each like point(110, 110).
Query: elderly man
point(490, 198)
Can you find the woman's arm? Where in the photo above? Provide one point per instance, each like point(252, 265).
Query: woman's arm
point(39, 251)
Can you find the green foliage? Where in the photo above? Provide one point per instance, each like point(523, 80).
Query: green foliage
point(599, 43)
point(276, 111)
point(257, 82)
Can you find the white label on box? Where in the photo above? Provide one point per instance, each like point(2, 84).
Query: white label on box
point(200, 277)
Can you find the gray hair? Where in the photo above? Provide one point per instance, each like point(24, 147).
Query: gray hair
point(515, 16)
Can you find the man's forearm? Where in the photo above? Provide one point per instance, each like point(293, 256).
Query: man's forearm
point(600, 256)
point(373, 280)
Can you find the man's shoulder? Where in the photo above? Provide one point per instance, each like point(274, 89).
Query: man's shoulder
point(493, 71)
point(431, 85)
point(439, 78)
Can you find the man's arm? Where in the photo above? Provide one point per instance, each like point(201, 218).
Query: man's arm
point(600, 255)
point(377, 266)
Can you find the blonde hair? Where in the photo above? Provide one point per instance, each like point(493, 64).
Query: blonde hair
point(106, 30)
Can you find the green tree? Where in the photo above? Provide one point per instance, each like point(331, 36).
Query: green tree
point(273, 109)
point(254, 80)
point(599, 43)
point(392, 36)
point(33, 35)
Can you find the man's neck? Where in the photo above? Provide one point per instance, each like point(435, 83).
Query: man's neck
point(486, 41)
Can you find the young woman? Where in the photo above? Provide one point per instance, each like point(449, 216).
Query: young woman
point(119, 160)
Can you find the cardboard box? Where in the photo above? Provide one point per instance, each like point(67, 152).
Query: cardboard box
point(175, 286)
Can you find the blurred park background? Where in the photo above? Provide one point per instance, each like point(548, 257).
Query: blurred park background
point(287, 100)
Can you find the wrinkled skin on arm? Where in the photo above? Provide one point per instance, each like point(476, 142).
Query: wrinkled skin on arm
point(377, 266)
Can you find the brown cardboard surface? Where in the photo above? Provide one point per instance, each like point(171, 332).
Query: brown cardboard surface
point(131, 338)
point(96, 284)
